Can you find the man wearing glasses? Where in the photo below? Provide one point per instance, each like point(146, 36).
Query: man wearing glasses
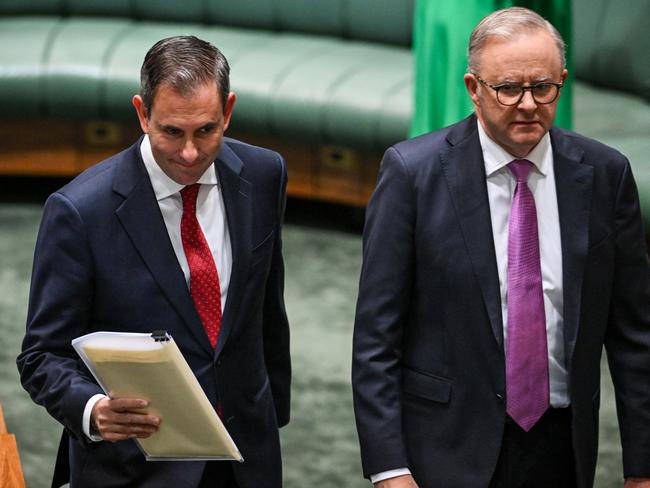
point(500, 255)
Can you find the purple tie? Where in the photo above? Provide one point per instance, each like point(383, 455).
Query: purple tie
point(526, 349)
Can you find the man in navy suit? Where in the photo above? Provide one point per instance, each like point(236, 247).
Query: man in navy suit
point(181, 232)
point(500, 255)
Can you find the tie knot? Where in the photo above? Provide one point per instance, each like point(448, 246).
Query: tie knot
point(189, 194)
point(520, 168)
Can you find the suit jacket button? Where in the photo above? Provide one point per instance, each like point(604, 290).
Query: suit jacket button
point(500, 397)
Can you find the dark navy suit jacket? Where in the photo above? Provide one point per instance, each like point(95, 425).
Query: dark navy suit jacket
point(429, 367)
point(104, 261)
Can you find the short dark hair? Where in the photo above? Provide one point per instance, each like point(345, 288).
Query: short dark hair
point(185, 63)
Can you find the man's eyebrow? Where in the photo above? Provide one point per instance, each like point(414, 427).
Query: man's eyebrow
point(509, 81)
point(167, 126)
point(544, 79)
point(534, 81)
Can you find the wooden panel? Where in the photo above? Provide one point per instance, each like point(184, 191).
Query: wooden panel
point(11, 472)
point(99, 140)
point(37, 147)
point(56, 148)
point(328, 173)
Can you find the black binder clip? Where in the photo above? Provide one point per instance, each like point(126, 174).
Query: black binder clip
point(160, 335)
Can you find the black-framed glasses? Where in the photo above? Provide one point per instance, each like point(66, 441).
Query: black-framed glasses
point(509, 94)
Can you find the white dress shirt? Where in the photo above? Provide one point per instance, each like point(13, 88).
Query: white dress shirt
point(211, 214)
point(500, 187)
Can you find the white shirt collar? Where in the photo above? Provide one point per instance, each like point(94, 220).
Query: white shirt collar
point(163, 185)
point(496, 158)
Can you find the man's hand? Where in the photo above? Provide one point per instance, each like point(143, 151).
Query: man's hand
point(123, 418)
point(637, 483)
point(405, 481)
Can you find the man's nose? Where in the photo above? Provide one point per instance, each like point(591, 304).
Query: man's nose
point(527, 102)
point(189, 153)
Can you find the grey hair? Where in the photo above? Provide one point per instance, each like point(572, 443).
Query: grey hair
point(509, 23)
point(185, 63)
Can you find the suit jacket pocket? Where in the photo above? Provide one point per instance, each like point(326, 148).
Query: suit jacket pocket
point(598, 241)
point(261, 391)
point(425, 385)
point(595, 407)
point(261, 250)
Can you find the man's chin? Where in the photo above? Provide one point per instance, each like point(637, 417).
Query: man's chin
point(526, 127)
point(185, 174)
point(527, 138)
point(185, 177)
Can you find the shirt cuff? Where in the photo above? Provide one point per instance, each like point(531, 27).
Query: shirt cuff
point(384, 475)
point(85, 421)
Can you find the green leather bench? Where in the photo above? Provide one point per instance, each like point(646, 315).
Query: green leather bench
point(612, 40)
point(611, 43)
point(326, 81)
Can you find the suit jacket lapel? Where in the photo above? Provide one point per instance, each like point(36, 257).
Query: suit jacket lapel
point(237, 196)
point(573, 182)
point(465, 173)
point(143, 222)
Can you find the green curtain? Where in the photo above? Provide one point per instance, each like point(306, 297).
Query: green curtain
point(441, 30)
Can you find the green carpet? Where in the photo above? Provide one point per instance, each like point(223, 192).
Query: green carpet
point(323, 261)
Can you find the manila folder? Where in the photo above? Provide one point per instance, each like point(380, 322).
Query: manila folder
point(151, 367)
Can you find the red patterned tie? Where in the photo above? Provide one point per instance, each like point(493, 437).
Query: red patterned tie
point(527, 381)
point(204, 279)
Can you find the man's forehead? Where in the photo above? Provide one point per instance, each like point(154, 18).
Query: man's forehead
point(171, 101)
point(535, 52)
point(536, 36)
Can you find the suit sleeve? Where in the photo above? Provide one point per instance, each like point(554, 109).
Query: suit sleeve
point(276, 324)
point(628, 333)
point(59, 310)
point(381, 317)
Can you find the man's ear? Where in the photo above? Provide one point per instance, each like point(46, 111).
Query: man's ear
point(227, 110)
point(563, 78)
point(141, 110)
point(472, 87)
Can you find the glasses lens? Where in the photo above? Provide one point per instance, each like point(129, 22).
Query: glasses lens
point(545, 92)
point(542, 93)
point(509, 94)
